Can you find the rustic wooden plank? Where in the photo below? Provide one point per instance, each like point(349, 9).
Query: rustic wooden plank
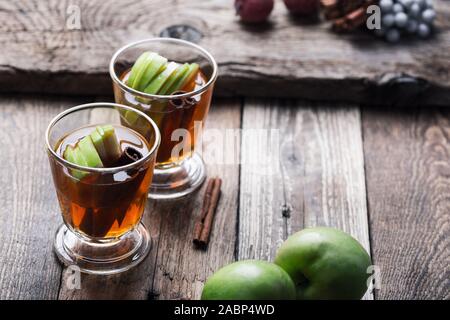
point(299, 60)
point(29, 214)
point(174, 269)
point(407, 156)
point(180, 268)
point(313, 175)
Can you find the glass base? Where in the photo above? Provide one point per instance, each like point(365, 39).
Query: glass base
point(108, 257)
point(178, 181)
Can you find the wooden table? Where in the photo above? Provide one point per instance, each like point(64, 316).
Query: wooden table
point(380, 173)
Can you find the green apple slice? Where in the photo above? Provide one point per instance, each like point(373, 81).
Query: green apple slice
point(157, 65)
point(138, 68)
point(68, 154)
point(78, 157)
point(87, 150)
point(189, 75)
point(131, 117)
point(75, 158)
point(97, 139)
point(158, 82)
point(184, 78)
point(178, 74)
point(106, 143)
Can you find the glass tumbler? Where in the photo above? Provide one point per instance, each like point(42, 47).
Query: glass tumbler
point(179, 169)
point(102, 207)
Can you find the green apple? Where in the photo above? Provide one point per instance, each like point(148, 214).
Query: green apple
point(325, 263)
point(249, 280)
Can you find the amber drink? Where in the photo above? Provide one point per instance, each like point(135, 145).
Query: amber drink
point(103, 205)
point(102, 171)
point(171, 81)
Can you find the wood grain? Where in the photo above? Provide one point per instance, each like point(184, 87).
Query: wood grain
point(407, 156)
point(317, 179)
point(175, 269)
point(312, 176)
point(29, 214)
point(286, 57)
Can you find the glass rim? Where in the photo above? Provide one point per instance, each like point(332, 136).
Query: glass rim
point(122, 85)
point(93, 105)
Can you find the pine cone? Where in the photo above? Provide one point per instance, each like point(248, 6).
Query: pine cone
point(346, 15)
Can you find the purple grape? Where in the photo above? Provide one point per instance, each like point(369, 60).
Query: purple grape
point(412, 25)
point(428, 15)
point(393, 35)
point(401, 19)
point(414, 10)
point(388, 20)
point(386, 5)
point(397, 8)
point(423, 30)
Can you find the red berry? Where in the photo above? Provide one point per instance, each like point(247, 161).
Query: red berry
point(253, 10)
point(302, 7)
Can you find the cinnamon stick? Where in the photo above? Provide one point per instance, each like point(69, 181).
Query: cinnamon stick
point(206, 202)
point(202, 229)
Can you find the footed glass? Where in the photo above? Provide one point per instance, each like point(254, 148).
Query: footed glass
point(102, 207)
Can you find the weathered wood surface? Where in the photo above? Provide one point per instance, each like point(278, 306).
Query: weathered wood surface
point(284, 58)
point(318, 179)
point(309, 173)
point(407, 158)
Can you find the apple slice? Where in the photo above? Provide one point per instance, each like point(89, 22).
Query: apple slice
point(84, 154)
point(106, 143)
point(70, 156)
point(158, 82)
point(78, 158)
point(178, 74)
point(130, 117)
point(184, 78)
point(189, 75)
point(98, 143)
point(154, 68)
point(87, 150)
point(138, 67)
